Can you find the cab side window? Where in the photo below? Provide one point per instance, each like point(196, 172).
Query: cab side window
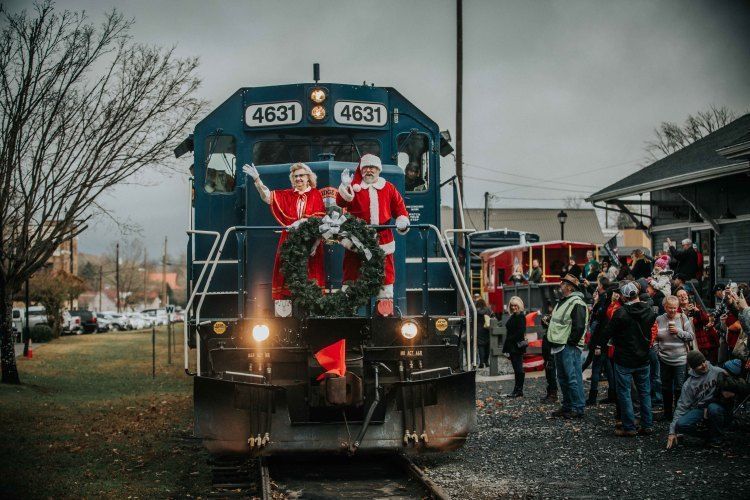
point(221, 164)
point(414, 158)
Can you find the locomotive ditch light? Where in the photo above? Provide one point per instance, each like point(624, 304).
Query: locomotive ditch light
point(318, 112)
point(318, 96)
point(409, 329)
point(261, 332)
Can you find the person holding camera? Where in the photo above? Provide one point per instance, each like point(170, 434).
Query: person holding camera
point(515, 343)
point(672, 334)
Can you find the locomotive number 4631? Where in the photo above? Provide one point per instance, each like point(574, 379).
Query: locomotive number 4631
point(278, 113)
point(360, 113)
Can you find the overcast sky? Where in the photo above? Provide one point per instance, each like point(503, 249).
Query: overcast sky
point(553, 90)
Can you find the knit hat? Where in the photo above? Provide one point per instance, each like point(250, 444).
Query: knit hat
point(695, 359)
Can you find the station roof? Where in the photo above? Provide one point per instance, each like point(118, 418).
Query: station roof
point(582, 223)
point(718, 154)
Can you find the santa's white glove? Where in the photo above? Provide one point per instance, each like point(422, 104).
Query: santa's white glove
point(346, 178)
point(251, 171)
point(402, 224)
point(297, 223)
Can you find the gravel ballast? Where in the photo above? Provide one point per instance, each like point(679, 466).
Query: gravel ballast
point(517, 450)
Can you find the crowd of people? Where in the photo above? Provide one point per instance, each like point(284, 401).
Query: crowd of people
point(648, 331)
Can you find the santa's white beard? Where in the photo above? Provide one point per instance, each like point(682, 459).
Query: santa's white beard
point(370, 178)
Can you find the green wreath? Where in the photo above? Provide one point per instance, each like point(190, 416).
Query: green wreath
point(335, 227)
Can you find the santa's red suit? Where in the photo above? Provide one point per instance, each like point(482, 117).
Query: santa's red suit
point(376, 203)
point(288, 206)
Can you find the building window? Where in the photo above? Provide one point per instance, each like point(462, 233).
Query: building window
point(414, 158)
point(221, 163)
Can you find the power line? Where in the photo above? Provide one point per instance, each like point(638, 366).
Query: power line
point(524, 185)
point(529, 177)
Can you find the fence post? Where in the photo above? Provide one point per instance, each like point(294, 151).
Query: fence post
point(153, 352)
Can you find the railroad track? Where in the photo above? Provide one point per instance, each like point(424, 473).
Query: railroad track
point(384, 476)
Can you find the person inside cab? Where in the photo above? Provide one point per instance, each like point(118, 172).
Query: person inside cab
point(414, 180)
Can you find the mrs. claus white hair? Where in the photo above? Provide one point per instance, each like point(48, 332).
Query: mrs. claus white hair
point(311, 177)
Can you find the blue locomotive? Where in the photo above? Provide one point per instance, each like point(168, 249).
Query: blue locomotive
point(409, 383)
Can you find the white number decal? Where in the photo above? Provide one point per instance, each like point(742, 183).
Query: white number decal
point(268, 115)
point(360, 113)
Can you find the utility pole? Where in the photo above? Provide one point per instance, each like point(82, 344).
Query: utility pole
point(486, 210)
point(100, 289)
point(117, 276)
point(459, 95)
point(164, 275)
point(145, 276)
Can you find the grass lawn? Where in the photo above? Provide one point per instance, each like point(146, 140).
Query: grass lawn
point(89, 421)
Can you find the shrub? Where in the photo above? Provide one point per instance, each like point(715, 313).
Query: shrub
point(41, 333)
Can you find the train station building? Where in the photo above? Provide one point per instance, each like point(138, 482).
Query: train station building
point(699, 192)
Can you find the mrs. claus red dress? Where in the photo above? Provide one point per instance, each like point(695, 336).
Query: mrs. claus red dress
point(287, 207)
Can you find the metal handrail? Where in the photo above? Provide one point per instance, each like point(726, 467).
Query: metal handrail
point(467, 291)
point(453, 266)
point(196, 286)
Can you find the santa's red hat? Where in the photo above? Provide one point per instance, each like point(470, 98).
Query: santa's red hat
point(367, 160)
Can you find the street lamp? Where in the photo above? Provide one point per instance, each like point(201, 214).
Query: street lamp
point(562, 217)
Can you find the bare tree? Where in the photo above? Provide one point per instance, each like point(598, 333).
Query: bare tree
point(671, 137)
point(573, 201)
point(131, 270)
point(82, 108)
point(52, 289)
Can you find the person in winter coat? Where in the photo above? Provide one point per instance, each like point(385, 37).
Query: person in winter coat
point(535, 275)
point(597, 357)
point(672, 333)
point(641, 265)
point(484, 314)
point(515, 343)
point(700, 403)
point(630, 330)
point(591, 268)
point(686, 259)
point(706, 336)
point(566, 337)
point(571, 268)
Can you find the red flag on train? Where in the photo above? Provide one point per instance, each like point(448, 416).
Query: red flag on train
point(333, 359)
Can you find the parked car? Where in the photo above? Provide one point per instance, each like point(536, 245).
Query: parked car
point(37, 316)
point(117, 321)
point(137, 321)
point(158, 316)
point(89, 323)
point(71, 325)
point(102, 323)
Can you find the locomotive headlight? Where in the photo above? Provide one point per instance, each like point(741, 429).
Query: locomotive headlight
point(318, 112)
point(318, 96)
point(409, 329)
point(261, 332)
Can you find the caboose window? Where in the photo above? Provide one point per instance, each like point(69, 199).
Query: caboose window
point(275, 152)
point(414, 158)
point(344, 150)
point(221, 162)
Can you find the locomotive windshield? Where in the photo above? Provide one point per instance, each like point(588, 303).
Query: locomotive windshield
point(342, 147)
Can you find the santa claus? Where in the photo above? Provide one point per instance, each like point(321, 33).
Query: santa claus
point(370, 197)
point(291, 207)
